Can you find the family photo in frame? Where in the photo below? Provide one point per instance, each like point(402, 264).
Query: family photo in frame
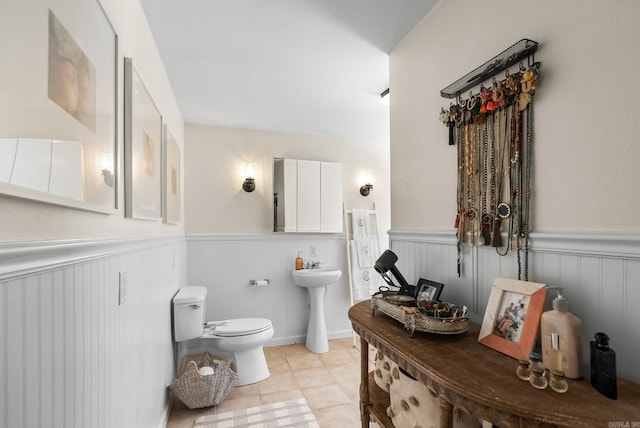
point(428, 290)
point(512, 318)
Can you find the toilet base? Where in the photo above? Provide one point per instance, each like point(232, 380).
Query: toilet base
point(250, 365)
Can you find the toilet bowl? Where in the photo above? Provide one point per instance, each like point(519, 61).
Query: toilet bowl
point(242, 338)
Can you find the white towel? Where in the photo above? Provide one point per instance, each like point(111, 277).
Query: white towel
point(360, 224)
point(360, 230)
point(364, 281)
point(367, 250)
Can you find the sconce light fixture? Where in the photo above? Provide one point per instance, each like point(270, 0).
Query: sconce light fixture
point(366, 189)
point(108, 177)
point(385, 97)
point(249, 184)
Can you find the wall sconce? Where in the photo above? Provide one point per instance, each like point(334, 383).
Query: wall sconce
point(366, 189)
point(108, 177)
point(385, 97)
point(249, 184)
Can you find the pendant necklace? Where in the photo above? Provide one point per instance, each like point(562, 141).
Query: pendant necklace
point(503, 210)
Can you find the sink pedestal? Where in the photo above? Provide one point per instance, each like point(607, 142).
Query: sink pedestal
point(317, 340)
point(316, 282)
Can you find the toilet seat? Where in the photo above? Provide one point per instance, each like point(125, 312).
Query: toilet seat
point(238, 327)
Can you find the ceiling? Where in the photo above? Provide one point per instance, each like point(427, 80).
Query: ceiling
point(310, 67)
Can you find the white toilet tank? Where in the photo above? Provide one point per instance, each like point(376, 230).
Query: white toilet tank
point(189, 313)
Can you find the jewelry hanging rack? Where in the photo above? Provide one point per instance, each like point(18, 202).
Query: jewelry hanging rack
point(522, 49)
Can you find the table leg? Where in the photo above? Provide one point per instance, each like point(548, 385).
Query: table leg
point(446, 413)
point(364, 383)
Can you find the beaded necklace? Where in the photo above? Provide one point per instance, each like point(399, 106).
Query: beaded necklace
point(528, 150)
point(484, 185)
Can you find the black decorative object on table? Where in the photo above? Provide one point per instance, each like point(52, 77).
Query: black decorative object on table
point(387, 262)
point(603, 366)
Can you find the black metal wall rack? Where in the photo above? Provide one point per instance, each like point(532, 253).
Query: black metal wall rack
point(522, 49)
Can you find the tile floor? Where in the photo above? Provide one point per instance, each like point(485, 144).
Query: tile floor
point(329, 382)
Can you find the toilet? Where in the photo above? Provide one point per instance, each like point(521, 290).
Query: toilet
point(243, 338)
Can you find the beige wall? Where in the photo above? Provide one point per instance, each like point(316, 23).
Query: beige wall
point(22, 220)
point(586, 109)
point(214, 163)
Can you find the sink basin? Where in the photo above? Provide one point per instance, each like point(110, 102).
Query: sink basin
point(316, 281)
point(313, 278)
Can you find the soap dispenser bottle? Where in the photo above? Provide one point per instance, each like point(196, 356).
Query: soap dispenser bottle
point(561, 336)
point(299, 262)
point(603, 366)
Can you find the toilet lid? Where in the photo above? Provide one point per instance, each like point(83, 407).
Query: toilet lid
point(242, 327)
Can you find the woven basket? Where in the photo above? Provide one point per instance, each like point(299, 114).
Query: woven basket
point(419, 322)
point(197, 391)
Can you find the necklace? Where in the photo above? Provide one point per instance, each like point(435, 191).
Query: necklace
point(484, 185)
point(527, 184)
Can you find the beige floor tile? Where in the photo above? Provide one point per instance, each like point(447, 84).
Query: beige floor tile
point(238, 403)
point(297, 348)
point(352, 389)
point(345, 373)
point(243, 391)
point(183, 417)
point(337, 357)
point(343, 342)
point(278, 364)
point(278, 382)
point(345, 415)
point(313, 377)
point(276, 397)
point(304, 361)
point(272, 351)
point(319, 397)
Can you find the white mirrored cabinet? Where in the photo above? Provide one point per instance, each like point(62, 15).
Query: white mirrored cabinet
point(307, 196)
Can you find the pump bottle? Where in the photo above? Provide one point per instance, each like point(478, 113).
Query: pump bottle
point(561, 336)
point(299, 262)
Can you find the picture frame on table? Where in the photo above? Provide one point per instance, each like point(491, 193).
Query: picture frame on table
point(142, 148)
point(170, 178)
point(512, 318)
point(428, 290)
point(58, 140)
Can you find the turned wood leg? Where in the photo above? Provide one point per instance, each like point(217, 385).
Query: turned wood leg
point(446, 413)
point(364, 383)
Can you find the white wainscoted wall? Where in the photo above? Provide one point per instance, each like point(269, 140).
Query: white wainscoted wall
point(226, 263)
point(600, 274)
point(71, 355)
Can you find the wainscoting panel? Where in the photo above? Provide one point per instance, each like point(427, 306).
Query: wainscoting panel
point(599, 274)
point(72, 356)
point(226, 263)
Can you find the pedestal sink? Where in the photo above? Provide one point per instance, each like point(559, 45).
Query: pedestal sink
point(316, 282)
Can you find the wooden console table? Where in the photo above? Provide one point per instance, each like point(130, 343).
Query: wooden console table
point(479, 380)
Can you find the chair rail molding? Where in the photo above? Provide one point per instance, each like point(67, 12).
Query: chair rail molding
point(19, 259)
point(603, 244)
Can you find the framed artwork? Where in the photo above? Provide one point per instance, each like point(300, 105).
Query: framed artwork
point(512, 317)
point(142, 149)
point(428, 290)
point(171, 178)
point(58, 139)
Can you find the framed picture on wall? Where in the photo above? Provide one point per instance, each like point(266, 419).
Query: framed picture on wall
point(170, 178)
point(142, 148)
point(512, 317)
point(59, 104)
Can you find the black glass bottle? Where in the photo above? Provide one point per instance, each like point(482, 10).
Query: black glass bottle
point(603, 366)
